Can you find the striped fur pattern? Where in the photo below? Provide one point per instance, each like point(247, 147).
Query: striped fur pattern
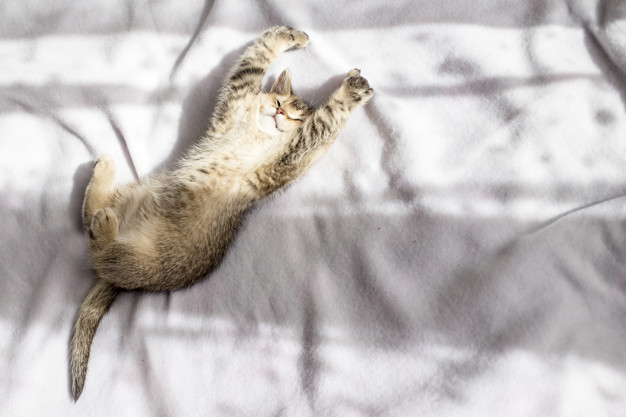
point(168, 231)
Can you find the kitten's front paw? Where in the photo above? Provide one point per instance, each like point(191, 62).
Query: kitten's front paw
point(293, 38)
point(357, 88)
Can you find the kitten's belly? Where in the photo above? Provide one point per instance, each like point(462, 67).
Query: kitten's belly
point(185, 253)
point(174, 238)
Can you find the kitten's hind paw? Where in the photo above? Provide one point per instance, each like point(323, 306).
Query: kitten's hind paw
point(104, 168)
point(357, 88)
point(104, 227)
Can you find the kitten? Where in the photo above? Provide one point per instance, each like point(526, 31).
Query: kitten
point(168, 231)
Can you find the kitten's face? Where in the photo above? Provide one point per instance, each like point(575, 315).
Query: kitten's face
point(281, 113)
point(279, 110)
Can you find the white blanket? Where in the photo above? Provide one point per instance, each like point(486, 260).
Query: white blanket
point(459, 251)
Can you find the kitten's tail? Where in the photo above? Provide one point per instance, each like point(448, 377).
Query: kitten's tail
point(91, 311)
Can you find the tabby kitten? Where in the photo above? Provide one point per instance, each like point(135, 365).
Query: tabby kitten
point(169, 230)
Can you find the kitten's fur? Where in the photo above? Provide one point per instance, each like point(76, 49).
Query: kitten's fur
point(168, 231)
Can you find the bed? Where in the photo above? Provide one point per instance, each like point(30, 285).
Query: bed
point(459, 251)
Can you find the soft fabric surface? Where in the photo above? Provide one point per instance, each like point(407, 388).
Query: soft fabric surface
point(458, 252)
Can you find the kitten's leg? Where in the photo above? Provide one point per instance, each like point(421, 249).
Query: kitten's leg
point(249, 71)
point(321, 129)
point(99, 190)
point(103, 229)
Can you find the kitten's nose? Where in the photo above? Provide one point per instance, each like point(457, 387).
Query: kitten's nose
point(280, 111)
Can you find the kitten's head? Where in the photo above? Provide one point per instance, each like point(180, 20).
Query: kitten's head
point(280, 110)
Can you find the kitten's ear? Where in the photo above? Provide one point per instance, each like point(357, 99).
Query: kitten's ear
point(282, 85)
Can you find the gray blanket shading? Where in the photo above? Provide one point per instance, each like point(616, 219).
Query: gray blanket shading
point(459, 251)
